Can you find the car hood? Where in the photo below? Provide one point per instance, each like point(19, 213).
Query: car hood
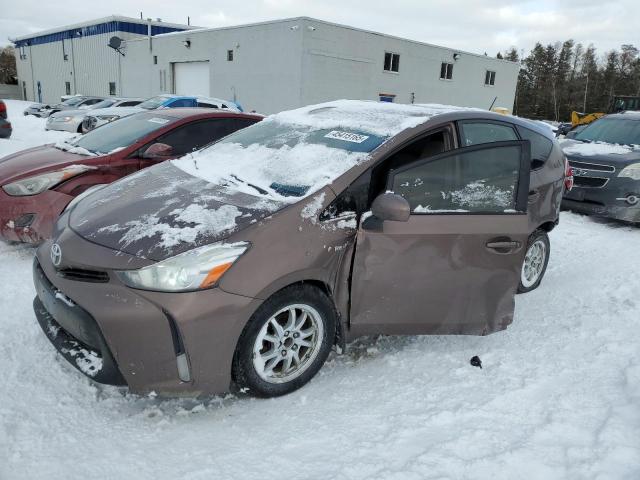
point(618, 155)
point(39, 160)
point(120, 111)
point(162, 211)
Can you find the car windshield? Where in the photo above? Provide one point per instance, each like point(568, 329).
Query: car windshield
point(153, 102)
point(117, 135)
point(103, 104)
point(623, 131)
point(283, 161)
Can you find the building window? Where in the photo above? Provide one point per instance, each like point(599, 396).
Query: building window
point(446, 71)
point(490, 78)
point(387, 97)
point(112, 88)
point(155, 59)
point(391, 62)
point(67, 88)
point(229, 55)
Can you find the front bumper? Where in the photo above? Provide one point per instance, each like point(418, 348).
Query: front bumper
point(73, 332)
point(609, 201)
point(70, 126)
point(30, 219)
point(146, 332)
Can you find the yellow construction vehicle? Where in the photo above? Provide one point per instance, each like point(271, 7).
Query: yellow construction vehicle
point(619, 103)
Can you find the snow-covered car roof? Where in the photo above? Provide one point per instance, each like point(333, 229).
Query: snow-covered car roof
point(379, 118)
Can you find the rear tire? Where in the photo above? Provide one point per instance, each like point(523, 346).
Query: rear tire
point(286, 342)
point(535, 263)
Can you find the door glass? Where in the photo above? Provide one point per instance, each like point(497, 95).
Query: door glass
point(182, 102)
point(475, 133)
point(196, 135)
point(479, 181)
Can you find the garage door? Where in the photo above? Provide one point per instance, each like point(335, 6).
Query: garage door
point(191, 78)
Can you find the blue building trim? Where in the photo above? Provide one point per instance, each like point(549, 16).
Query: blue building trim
point(108, 27)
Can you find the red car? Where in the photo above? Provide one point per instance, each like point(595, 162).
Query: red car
point(37, 184)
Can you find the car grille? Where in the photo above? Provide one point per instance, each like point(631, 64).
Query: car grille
point(81, 275)
point(596, 167)
point(590, 182)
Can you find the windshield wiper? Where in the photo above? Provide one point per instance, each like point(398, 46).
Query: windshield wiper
point(260, 190)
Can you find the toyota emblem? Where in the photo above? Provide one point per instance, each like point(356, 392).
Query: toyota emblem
point(56, 254)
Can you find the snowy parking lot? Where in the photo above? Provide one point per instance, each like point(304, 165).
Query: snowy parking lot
point(558, 396)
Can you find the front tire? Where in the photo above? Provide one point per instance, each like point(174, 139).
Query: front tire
point(535, 262)
point(286, 342)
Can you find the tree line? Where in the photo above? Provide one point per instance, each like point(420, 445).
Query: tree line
point(559, 78)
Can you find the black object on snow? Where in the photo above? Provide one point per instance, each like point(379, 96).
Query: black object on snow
point(476, 362)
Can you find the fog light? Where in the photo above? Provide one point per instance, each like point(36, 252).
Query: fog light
point(25, 220)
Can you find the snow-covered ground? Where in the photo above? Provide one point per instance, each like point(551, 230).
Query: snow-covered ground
point(28, 131)
point(558, 397)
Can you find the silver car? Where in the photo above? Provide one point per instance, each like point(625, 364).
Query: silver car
point(71, 120)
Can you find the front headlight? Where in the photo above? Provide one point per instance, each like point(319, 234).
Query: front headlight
point(108, 118)
point(39, 183)
point(193, 270)
point(631, 171)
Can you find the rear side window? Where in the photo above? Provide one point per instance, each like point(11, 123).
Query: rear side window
point(540, 146)
point(132, 103)
point(206, 105)
point(475, 133)
point(478, 181)
point(193, 136)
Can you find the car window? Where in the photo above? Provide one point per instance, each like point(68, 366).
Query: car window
point(121, 134)
point(195, 135)
point(207, 105)
point(132, 103)
point(540, 146)
point(428, 146)
point(91, 101)
point(478, 181)
point(624, 131)
point(180, 102)
point(475, 133)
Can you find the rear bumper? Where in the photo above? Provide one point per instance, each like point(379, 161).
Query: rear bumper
point(73, 332)
point(30, 219)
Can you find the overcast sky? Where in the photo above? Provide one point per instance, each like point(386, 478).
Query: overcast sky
point(473, 25)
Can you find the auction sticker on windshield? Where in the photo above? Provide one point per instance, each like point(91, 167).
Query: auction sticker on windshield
point(346, 136)
point(161, 121)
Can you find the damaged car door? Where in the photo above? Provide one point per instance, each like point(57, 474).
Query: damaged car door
point(452, 264)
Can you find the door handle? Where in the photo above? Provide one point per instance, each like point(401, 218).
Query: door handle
point(534, 196)
point(503, 247)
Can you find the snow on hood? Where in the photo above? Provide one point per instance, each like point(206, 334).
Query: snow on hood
point(291, 157)
point(594, 148)
point(161, 211)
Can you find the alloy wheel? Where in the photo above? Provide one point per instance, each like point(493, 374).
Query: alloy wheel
point(288, 343)
point(534, 262)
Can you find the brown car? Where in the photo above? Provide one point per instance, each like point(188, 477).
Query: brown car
point(247, 262)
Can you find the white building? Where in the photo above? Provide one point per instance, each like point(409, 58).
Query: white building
point(75, 59)
point(277, 65)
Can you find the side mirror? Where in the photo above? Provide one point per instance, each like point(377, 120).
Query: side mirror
point(389, 206)
point(158, 151)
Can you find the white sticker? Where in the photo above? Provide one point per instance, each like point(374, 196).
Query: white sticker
point(161, 121)
point(346, 136)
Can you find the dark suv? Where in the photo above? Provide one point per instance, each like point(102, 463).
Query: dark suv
point(606, 166)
